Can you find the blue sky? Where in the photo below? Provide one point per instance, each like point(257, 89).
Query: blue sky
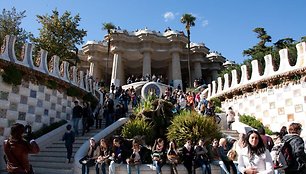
point(224, 26)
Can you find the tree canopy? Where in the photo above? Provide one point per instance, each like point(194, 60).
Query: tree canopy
point(10, 21)
point(60, 35)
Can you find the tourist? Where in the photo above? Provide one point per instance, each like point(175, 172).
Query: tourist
point(116, 156)
point(188, 156)
point(136, 158)
point(230, 118)
point(215, 159)
point(108, 107)
point(255, 158)
point(223, 150)
point(86, 117)
point(238, 147)
point(89, 159)
point(298, 164)
point(268, 142)
point(77, 112)
point(17, 149)
point(69, 138)
point(158, 155)
point(283, 131)
point(103, 153)
point(173, 157)
point(201, 157)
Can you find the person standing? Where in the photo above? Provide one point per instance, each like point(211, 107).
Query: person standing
point(108, 107)
point(17, 150)
point(69, 138)
point(230, 118)
point(77, 112)
point(255, 158)
point(89, 159)
point(173, 157)
point(268, 142)
point(298, 163)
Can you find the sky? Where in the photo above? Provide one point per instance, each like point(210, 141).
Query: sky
point(225, 26)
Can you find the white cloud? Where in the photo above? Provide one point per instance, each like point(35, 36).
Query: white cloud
point(169, 16)
point(204, 23)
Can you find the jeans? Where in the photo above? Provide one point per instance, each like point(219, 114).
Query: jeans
point(75, 122)
point(85, 168)
point(222, 166)
point(101, 166)
point(112, 167)
point(158, 166)
point(129, 168)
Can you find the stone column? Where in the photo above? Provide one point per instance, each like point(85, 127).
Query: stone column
point(214, 75)
point(176, 70)
point(91, 69)
point(116, 70)
point(146, 64)
point(197, 71)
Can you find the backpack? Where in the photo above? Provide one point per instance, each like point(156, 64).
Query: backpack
point(282, 155)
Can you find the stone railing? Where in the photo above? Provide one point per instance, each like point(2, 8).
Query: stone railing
point(225, 88)
point(61, 71)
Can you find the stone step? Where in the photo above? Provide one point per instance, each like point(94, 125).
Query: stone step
point(45, 170)
point(53, 164)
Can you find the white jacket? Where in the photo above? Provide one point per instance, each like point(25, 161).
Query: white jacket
point(263, 163)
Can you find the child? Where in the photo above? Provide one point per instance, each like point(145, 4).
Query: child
point(69, 138)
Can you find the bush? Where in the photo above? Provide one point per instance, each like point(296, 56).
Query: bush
point(138, 127)
point(253, 122)
point(191, 125)
point(46, 129)
point(12, 75)
point(73, 91)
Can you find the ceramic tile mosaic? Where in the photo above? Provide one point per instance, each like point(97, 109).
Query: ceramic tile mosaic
point(23, 99)
point(15, 89)
point(4, 95)
point(33, 93)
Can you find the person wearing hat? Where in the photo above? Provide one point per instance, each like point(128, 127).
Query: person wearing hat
point(17, 149)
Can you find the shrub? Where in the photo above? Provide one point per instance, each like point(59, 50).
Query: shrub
point(253, 122)
point(191, 125)
point(12, 75)
point(73, 92)
point(46, 129)
point(138, 127)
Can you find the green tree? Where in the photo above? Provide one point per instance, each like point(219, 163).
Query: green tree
point(108, 27)
point(10, 21)
point(60, 35)
point(189, 21)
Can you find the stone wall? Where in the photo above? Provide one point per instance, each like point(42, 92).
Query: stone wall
point(271, 96)
point(30, 103)
point(35, 103)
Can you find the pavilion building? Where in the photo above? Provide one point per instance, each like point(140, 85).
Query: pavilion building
point(145, 52)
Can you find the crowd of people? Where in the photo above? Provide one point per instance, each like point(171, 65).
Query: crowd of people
point(253, 154)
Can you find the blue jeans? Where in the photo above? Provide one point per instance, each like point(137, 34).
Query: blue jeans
point(75, 122)
point(136, 166)
point(100, 166)
point(158, 166)
point(112, 167)
point(222, 166)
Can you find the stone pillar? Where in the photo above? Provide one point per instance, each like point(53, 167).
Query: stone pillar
point(214, 75)
point(146, 65)
point(176, 70)
point(197, 71)
point(91, 69)
point(116, 70)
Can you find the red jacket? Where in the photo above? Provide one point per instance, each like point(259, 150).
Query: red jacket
point(17, 152)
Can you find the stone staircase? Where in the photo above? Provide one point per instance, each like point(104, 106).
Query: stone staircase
point(51, 159)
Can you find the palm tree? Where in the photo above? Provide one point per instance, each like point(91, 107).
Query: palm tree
point(188, 19)
point(109, 27)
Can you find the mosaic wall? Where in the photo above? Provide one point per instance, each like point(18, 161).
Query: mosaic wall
point(30, 103)
point(275, 107)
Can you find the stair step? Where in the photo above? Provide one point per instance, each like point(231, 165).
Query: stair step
point(44, 170)
point(53, 164)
